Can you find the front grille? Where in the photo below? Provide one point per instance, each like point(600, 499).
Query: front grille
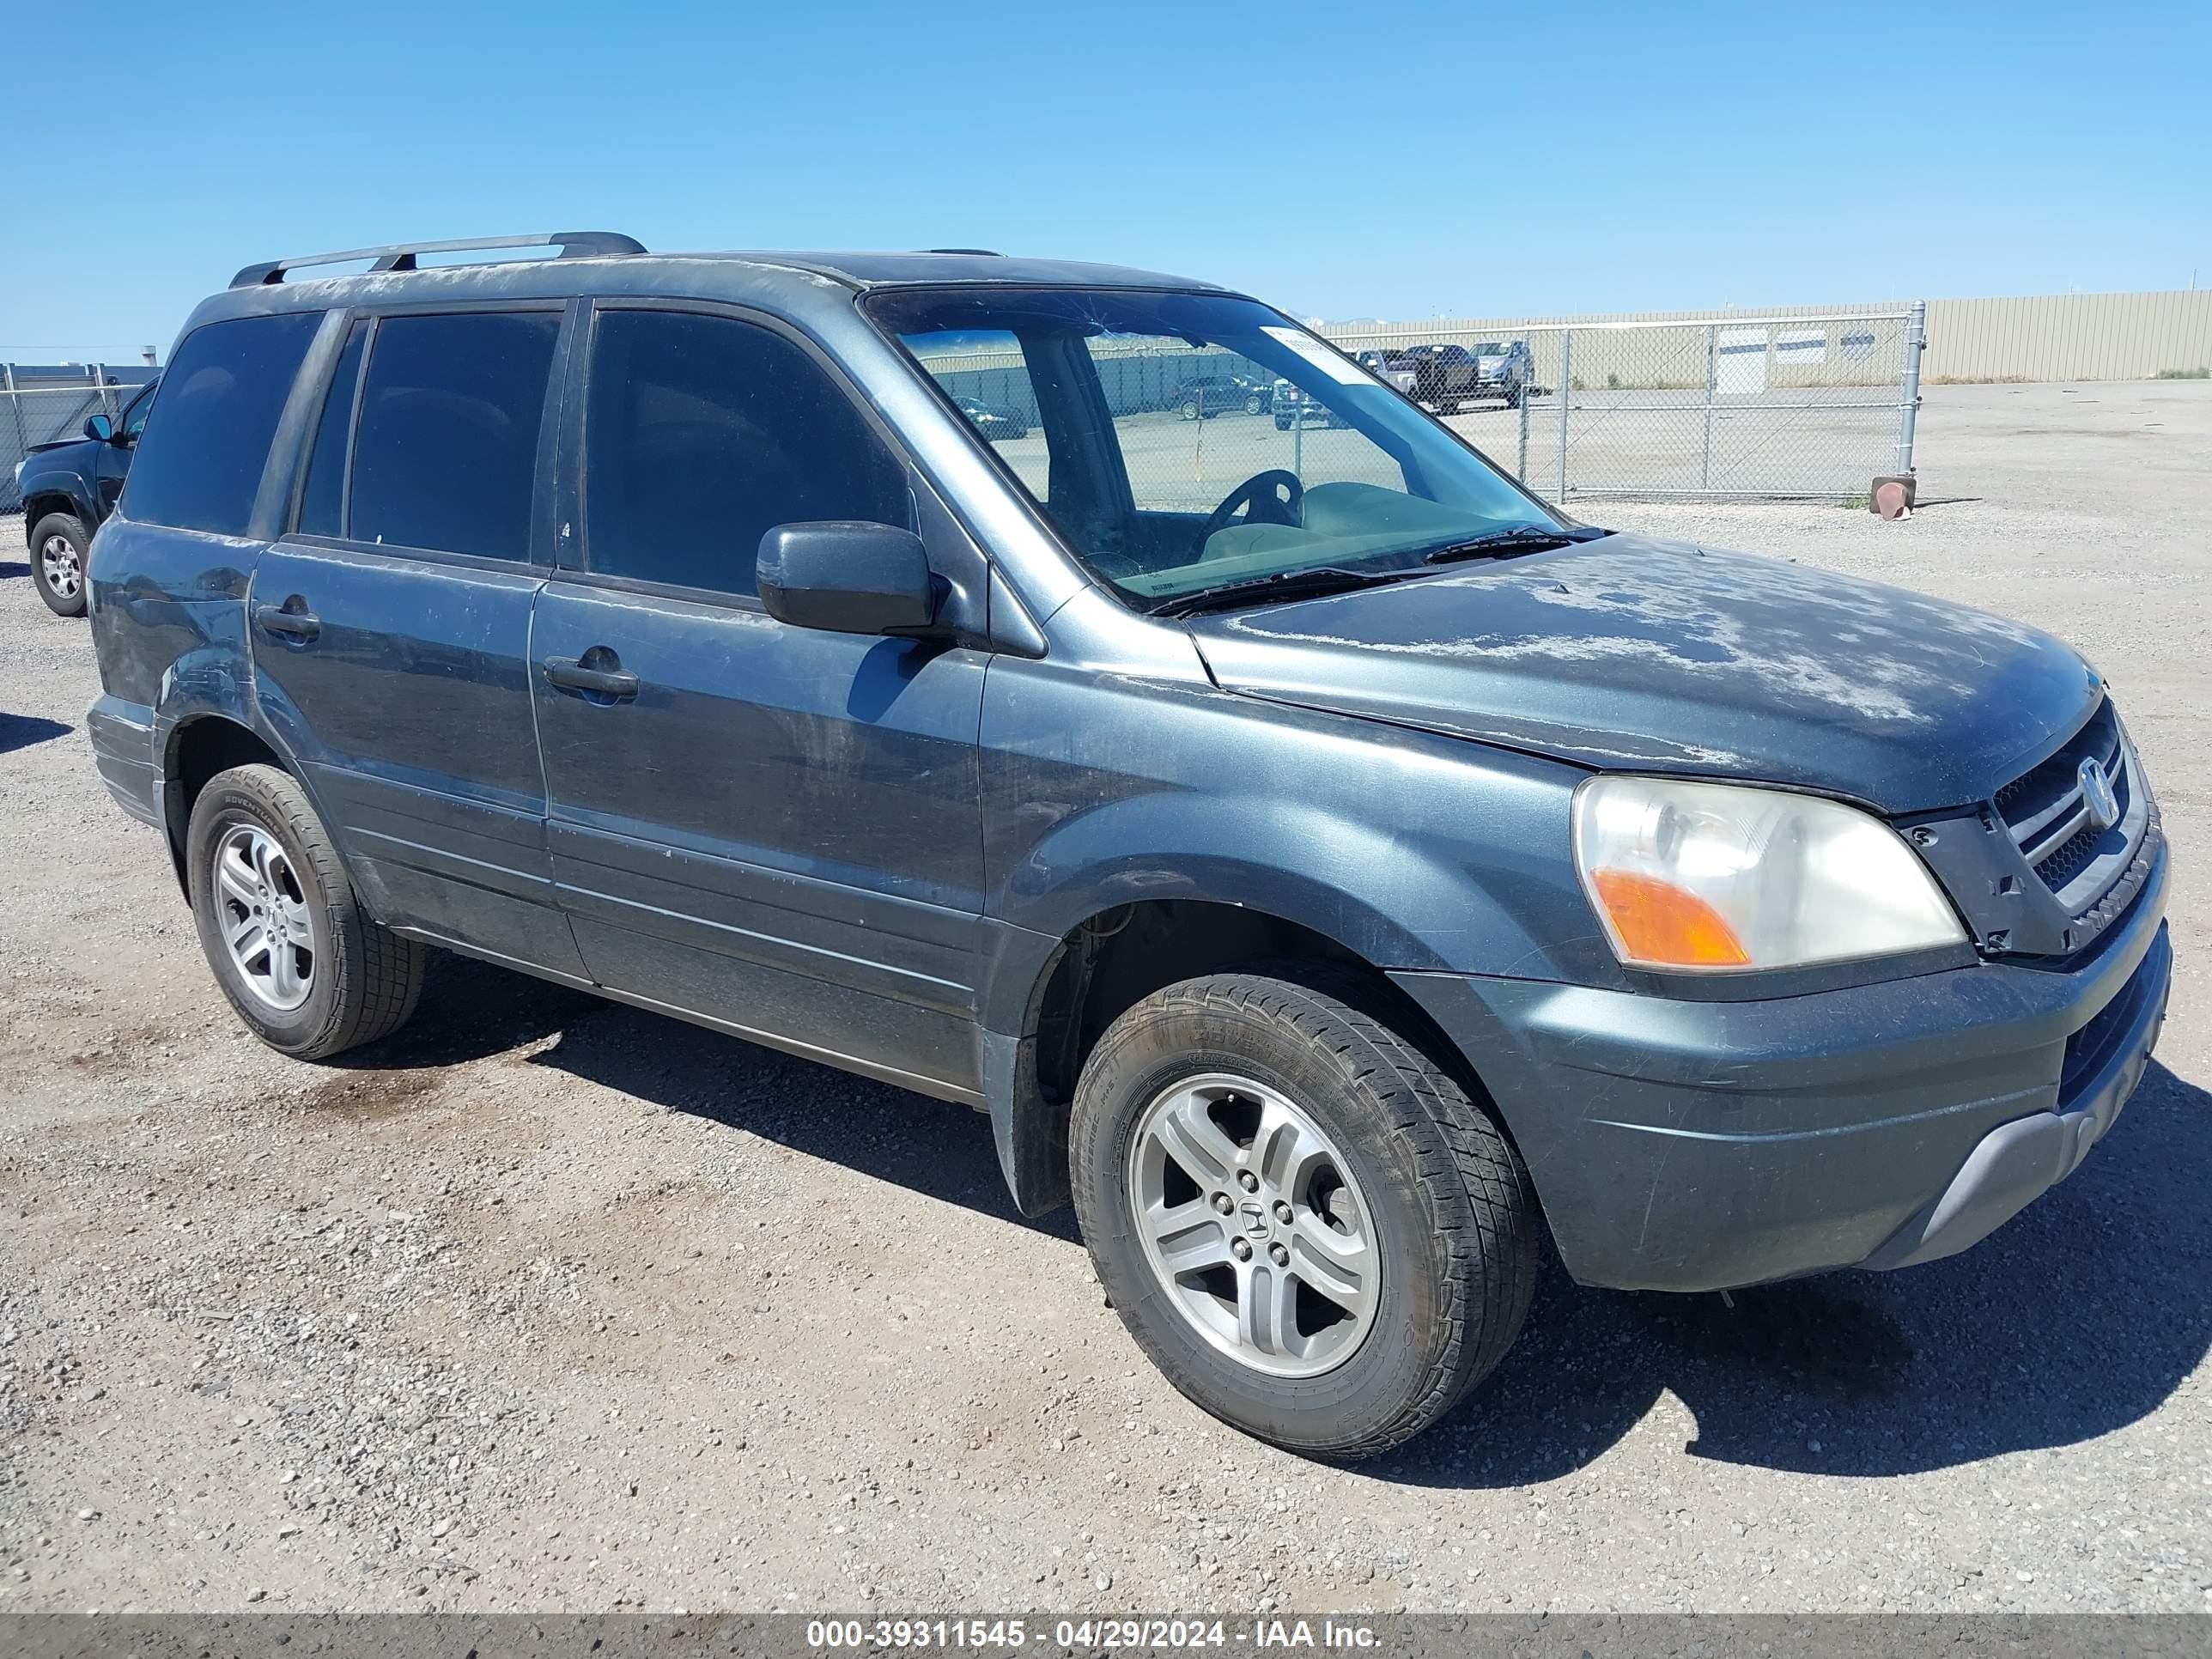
point(2051, 823)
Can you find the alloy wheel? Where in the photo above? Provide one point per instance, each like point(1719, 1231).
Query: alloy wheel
point(64, 569)
point(262, 914)
point(1254, 1226)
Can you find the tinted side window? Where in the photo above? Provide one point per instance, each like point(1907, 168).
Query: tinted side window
point(322, 502)
point(134, 423)
point(445, 450)
point(701, 434)
point(199, 467)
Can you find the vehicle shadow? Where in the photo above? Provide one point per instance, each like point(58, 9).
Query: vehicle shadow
point(2078, 1316)
point(25, 730)
point(939, 1149)
point(11, 568)
point(2081, 1315)
point(470, 1009)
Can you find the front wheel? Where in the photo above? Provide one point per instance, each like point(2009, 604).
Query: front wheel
point(1307, 1225)
point(1282, 423)
point(60, 550)
point(1252, 404)
point(308, 970)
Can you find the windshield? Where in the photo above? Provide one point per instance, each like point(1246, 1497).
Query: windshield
point(1163, 447)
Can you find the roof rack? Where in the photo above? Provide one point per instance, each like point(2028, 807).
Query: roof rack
point(985, 253)
point(400, 256)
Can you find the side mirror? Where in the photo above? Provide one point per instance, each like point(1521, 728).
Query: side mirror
point(100, 427)
point(848, 576)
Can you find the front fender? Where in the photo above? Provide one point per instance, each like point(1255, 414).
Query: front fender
point(57, 480)
point(1412, 852)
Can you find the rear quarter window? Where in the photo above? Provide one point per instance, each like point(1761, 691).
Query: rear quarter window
point(199, 466)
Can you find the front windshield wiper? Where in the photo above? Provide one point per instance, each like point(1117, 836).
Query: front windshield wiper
point(1519, 538)
point(1283, 585)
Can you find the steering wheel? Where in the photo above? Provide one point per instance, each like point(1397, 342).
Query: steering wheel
point(1269, 497)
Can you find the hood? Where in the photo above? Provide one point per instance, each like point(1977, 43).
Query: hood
point(1635, 656)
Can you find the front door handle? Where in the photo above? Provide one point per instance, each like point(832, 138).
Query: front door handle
point(572, 674)
point(292, 619)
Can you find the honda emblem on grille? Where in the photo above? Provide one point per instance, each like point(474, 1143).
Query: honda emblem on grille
point(2104, 806)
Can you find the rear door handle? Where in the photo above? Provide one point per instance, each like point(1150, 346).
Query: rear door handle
point(292, 619)
point(572, 675)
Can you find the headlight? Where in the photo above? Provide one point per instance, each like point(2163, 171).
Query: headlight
point(1711, 877)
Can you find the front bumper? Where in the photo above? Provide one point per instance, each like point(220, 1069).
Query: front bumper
point(1694, 1145)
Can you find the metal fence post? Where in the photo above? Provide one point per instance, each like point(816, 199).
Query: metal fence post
point(1712, 379)
point(1908, 412)
point(1566, 384)
point(1520, 469)
point(23, 433)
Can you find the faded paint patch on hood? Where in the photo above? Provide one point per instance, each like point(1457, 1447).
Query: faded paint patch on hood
point(1634, 654)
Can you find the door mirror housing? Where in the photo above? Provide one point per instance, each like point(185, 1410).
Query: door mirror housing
point(848, 576)
point(100, 427)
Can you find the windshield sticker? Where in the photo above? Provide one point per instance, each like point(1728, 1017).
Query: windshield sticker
point(1337, 369)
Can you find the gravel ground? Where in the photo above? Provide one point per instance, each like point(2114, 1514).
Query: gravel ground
point(548, 1303)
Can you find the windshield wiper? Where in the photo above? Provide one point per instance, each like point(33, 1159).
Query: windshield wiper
point(1520, 539)
point(1283, 585)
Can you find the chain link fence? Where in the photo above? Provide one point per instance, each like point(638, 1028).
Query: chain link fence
point(46, 406)
point(1808, 408)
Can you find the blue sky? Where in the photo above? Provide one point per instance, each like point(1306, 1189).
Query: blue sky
point(1376, 160)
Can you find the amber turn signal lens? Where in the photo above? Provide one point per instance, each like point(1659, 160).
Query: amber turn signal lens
point(1659, 922)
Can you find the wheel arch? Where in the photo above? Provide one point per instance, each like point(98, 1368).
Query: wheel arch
point(1114, 957)
point(199, 741)
point(45, 497)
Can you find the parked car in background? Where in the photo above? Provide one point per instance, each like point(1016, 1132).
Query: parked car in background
point(1445, 375)
point(69, 488)
point(1505, 370)
point(1204, 396)
point(1293, 407)
point(1386, 367)
point(996, 422)
point(1343, 888)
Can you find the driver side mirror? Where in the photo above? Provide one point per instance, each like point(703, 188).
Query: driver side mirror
point(848, 576)
point(100, 427)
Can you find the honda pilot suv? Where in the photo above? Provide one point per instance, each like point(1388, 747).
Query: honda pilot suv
point(1331, 867)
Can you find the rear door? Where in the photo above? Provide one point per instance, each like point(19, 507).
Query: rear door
point(775, 828)
point(392, 627)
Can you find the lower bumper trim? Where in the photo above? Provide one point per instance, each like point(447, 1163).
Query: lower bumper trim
point(2017, 1163)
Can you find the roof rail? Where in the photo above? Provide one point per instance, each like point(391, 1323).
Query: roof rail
point(400, 256)
point(985, 253)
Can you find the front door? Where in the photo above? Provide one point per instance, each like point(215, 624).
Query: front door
point(775, 829)
point(392, 627)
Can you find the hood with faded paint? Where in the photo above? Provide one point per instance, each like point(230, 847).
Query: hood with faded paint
point(1637, 655)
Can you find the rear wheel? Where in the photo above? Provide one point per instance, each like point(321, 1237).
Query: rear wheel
point(1189, 410)
point(1309, 1227)
point(309, 971)
point(60, 547)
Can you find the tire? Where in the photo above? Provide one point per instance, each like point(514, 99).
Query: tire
point(1445, 1220)
point(1282, 423)
point(61, 550)
point(1188, 410)
point(1252, 404)
point(361, 980)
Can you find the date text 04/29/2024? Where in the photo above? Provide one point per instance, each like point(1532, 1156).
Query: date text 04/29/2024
point(891, 1635)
